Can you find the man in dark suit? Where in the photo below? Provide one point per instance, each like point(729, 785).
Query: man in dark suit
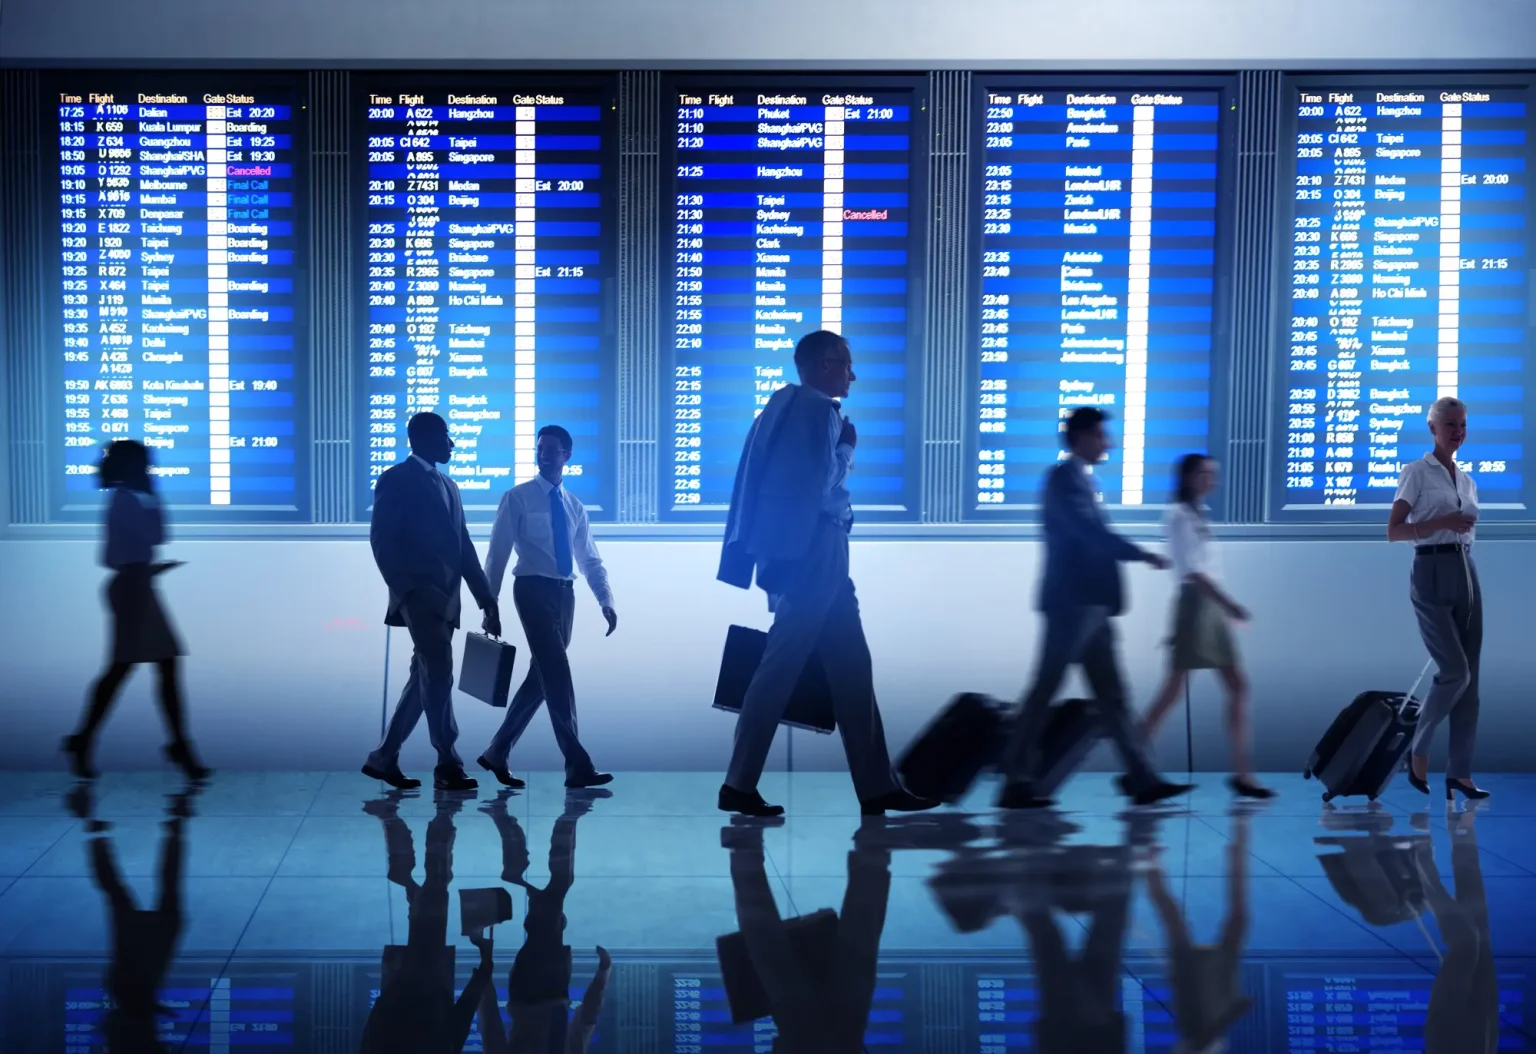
point(424, 552)
point(1080, 595)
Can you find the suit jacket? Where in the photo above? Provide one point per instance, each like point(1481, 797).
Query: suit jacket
point(418, 542)
point(781, 481)
point(1082, 555)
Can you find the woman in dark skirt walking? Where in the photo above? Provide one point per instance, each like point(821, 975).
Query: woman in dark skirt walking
point(140, 630)
point(1202, 617)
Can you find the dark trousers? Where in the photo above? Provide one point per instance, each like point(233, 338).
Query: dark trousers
point(547, 608)
point(429, 691)
point(1086, 637)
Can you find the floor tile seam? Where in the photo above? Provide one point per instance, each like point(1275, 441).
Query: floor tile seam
point(68, 830)
point(1357, 923)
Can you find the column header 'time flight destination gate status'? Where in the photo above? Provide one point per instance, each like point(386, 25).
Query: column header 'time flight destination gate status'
point(1098, 240)
point(790, 213)
point(179, 307)
point(487, 244)
point(1409, 280)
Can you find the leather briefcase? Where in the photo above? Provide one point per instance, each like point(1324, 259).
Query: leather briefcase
point(486, 672)
point(812, 941)
point(810, 707)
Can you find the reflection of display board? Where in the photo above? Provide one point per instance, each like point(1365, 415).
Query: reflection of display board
point(1408, 237)
point(485, 224)
point(212, 1013)
point(1098, 275)
point(473, 1043)
point(181, 263)
point(791, 211)
point(701, 1016)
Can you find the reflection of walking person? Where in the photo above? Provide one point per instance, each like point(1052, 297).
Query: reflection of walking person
point(135, 525)
point(1463, 1013)
point(1202, 634)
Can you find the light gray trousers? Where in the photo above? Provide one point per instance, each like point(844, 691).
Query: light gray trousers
point(1448, 600)
point(818, 613)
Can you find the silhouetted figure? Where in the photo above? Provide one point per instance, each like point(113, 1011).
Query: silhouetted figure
point(141, 632)
point(422, 547)
point(1207, 979)
point(547, 526)
point(416, 1012)
point(1080, 596)
point(143, 942)
point(820, 996)
point(539, 983)
point(789, 522)
point(1463, 1015)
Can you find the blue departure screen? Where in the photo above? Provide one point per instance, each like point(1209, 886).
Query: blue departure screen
point(212, 1013)
point(487, 246)
point(1098, 242)
point(701, 1014)
point(1409, 251)
point(180, 290)
point(792, 213)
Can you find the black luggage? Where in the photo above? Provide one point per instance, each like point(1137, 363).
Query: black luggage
point(810, 707)
point(812, 941)
point(1365, 746)
point(966, 738)
point(1070, 733)
point(1379, 876)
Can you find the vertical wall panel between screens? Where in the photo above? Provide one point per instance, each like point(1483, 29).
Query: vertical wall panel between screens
point(181, 288)
point(486, 270)
point(1409, 216)
point(1103, 279)
point(789, 207)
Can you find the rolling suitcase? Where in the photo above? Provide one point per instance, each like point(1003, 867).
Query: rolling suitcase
point(960, 743)
point(1365, 746)
point(1070, 733)
point(810, 707)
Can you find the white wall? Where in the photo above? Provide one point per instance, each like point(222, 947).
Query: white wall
point(287, 648)
point(1092, 34)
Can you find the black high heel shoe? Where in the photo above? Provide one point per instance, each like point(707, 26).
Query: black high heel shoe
point(1473, 793)
point(1420, 785)
point(79, 751)
point(180, 754)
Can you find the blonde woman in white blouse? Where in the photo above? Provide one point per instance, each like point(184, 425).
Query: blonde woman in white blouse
point(1436, 510)
point(1202, 617)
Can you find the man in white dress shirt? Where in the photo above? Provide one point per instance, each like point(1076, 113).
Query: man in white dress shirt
point(789, 521)
point(547, 526)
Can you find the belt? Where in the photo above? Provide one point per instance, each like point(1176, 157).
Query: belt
point(1448, 547)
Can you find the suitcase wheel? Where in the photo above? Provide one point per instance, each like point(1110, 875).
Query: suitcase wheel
point(1327, 796)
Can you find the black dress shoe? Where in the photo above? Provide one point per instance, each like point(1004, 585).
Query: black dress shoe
point(896, 801)
point(1162, 790)
point(746, 803)
point(180, 755)
point(505, 778)
point(79, 750)
point(1248, 788)
point(453, 780)
point(591, 779)
point(394, 777)
point(1021, 796)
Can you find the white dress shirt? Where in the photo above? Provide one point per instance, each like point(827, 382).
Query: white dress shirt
point(442, 485)
point(1426, 486)
point(1189, 542)
point(523, 523)
point(835, 501)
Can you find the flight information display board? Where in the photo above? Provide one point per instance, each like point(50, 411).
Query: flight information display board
point(701, 1013)
point(1098, 283)
point(1409, 279)
point(212, 1013)
point(599, 1042)
point(181, 292)
point(789, 210)
point(488, 244)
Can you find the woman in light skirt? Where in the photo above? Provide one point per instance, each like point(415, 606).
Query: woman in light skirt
point(1202, 617)
point(1436, 510)
point(141, 633)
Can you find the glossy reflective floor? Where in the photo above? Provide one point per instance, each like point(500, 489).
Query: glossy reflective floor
point(317, 912)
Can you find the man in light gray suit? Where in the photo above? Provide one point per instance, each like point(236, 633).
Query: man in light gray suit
point(789, 522)
point(424, 552)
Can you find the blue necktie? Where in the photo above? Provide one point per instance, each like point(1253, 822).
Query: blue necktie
point(562, 532)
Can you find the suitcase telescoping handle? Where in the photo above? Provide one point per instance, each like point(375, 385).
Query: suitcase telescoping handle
point(1409, 697)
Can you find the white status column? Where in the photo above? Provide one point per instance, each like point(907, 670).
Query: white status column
point(832, 222)
point(1138, 295)
point(218, 307)
point(1450, 249)
point(525, 422)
